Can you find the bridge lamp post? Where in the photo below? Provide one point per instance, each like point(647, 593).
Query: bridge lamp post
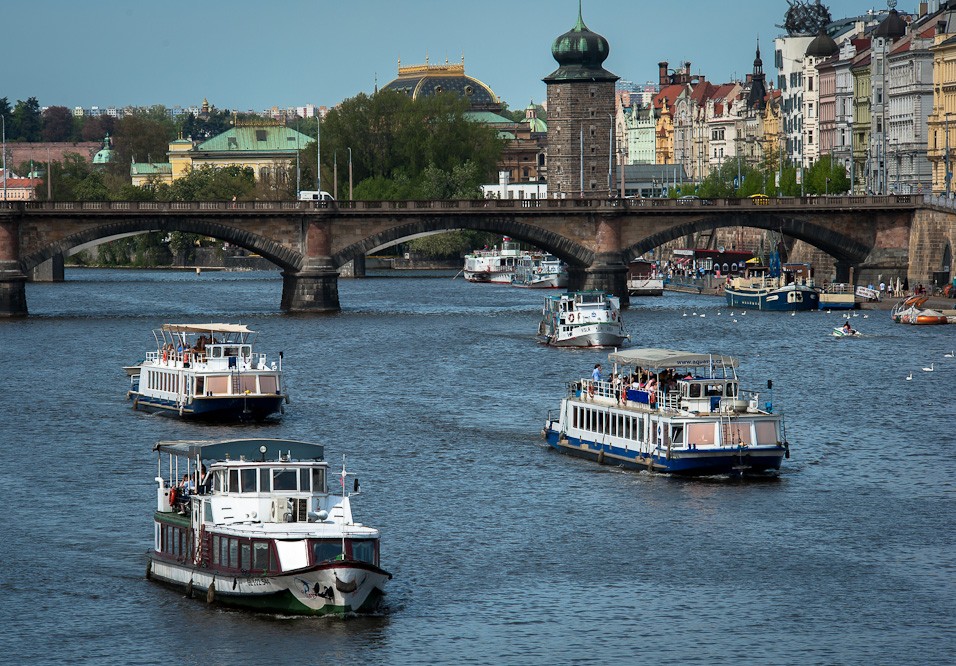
point(610, 155)
point(3, 118)
point(350, 174)
point(949, 173)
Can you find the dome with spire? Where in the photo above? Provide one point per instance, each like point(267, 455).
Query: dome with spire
point(105, 155)
point(580, 54)
point(822, 46)
point(893, 26)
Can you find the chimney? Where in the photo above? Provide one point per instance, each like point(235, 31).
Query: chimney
point(750, 78)
point(662, 69)
point(923, 8)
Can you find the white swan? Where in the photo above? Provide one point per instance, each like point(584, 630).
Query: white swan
point(909, 376)
point(735, 321)
point(929, 369)
point(793, 314)
point(949, 355)
point(702, 315)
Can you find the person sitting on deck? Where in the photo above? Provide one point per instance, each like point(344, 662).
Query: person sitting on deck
point(847, 329)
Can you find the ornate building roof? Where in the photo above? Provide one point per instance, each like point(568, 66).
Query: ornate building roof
point(425, 80)
point(257, 137)
point(104, 156)
point(893, 26)
point(580, 54)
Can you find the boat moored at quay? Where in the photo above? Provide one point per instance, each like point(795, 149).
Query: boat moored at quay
point(494, 265)
point(670, 411)
point(582, 319)
point(207, 371)
point(540, 271)
point(260, 530)
point(774, 288)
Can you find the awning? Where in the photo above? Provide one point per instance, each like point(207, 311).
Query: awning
point(660, 359)
point(753, 260)
point(250, 448)
point(206, 328)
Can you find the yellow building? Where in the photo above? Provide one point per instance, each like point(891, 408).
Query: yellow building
point(269, 149)
point(864, 168)
point(941, 125)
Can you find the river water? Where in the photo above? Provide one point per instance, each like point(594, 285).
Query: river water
point(502, 550)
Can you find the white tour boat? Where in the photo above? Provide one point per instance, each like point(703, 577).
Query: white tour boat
point(582, 319)
point(670, 411)
point(540, 271)
point(261, 530)
point(494, 265)
point(207, 371)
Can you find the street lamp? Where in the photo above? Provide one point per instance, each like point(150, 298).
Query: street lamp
point(610, 153)
point(949, 173)
point(3, 118)
point(350, 174)
point(318, 154)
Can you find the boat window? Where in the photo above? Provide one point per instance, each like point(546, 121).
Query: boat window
point(265, 480)
point(245, 351)
point(217, 352)
point(200, 386)
point(216, 557)
point(207, 511)
point(245, 555)
point(304, 478)
point(677, 434)
point(230, 351)
point(715, 389)
point(217, 385)
point(268, 384)
point(247, 383)
point(730, 390)
point(261, 556)
point(326, 550)
point(736, 434)
point(318, 480)
point(700, 434)
point(218, 481)
point(234, 480)
point(363, 551)
point(695, 390)
point(233, 554)
point(284, 479)
point(248, 478)
point(766, 432)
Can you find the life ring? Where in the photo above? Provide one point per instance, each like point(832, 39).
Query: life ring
point(613, 315)
point(165, 355)
point(173, 492)
point(571, 318)
point(185, 357)
point(623, 395)
point(591, 389)
point(651, 397)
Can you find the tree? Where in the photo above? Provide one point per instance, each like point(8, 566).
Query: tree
point(826, 177)
point(393, 137)
point(140, 137)
point(96, 128)
point(57, 124)
point(26, 120)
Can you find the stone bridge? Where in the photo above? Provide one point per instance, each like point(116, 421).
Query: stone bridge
point(597, 238)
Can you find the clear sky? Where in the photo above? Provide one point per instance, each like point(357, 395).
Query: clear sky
point(253, 54)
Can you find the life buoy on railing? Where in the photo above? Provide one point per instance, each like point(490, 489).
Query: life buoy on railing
point(185, 357)
point(591, 389)
point(172, 495)
point(165, 355)
point(652, 397)
point(571, 318)
point(623, 395)
point(613, 315)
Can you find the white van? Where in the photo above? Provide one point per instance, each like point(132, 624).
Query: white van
point(314, 195)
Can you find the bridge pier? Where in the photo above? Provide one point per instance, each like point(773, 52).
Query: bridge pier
point(608, 273)
point(51, 270)
point(313, 289)
point(13, 293)
point(354, 268)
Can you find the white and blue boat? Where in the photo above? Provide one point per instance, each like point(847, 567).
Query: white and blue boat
point(540, 271)
point(582, 319)
point(207, 371)
point(774, 288)
point(670, 411)
point(253, 523)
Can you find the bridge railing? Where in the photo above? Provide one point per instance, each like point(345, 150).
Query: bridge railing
point(612, 204)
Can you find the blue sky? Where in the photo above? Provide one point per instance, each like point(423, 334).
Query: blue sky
point(251, 54)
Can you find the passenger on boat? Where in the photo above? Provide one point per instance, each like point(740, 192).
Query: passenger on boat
point(847, 329)
point(596, 373)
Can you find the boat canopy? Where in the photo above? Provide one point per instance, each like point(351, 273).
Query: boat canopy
point(250, 448)
point(660, 359)
point(206, 328)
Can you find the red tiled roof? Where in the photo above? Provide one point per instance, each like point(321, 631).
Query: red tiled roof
point(671, 92)
point(23, 182)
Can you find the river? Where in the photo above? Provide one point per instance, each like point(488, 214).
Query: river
point(502, 550)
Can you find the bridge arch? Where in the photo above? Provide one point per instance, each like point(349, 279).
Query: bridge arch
point(572, 253)
point(839, 246)
point(282, 256)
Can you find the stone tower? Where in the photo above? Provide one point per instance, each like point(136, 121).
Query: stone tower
point(580, 115)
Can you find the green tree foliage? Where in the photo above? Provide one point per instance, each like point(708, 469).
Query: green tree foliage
point(26, 121)
point(57, 124)
point(209, 183)
point(393, 137)
point(143, 137)
point(204, 127)
point(96, 128)
point(826, 177)
point(453, 244)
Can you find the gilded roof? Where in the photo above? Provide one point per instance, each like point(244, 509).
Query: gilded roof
point(426, 80)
